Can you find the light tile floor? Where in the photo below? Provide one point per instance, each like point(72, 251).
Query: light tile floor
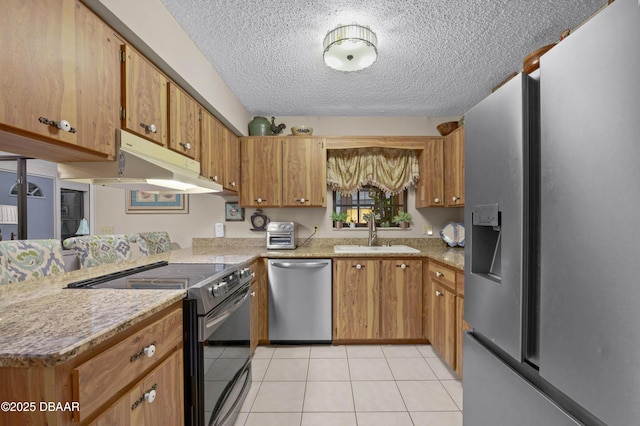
point(363, 385)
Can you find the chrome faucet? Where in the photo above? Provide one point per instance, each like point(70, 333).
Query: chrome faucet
point(371, 224)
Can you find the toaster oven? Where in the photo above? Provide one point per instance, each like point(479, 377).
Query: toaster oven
point(281, 236)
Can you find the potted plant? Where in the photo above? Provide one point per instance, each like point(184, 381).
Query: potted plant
point(338, 218)
point(403, 219)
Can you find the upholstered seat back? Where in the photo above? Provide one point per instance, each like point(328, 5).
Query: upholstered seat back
point(153, 242)
point(93, 250)
point(22, 260)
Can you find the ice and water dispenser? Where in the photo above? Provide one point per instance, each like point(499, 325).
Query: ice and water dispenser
point(486, 259)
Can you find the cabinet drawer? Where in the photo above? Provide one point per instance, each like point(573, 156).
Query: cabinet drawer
point(443, 275)
point(103, 376)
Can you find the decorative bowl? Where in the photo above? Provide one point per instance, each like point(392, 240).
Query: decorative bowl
point(302, 131)
point(445, 128)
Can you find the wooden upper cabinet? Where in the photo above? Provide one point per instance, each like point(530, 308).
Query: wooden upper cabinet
point(232, 160)
point(184, 126)
point(212, 162)
point(454, 168)
point(401, 299)
point(145, 98)
point(261, 172)
point(305, 172)
point(430, 187)
point(59, 61)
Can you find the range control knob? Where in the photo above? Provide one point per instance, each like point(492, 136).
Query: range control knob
point(215, 290)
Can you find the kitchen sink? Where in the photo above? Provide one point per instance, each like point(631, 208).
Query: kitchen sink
point(374, 249)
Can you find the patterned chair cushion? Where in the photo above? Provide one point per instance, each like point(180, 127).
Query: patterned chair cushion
point(93, 250)
point(22, 260)
point(153, 242)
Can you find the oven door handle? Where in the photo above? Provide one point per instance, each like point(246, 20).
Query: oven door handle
point(301, 265)
point(213, 321)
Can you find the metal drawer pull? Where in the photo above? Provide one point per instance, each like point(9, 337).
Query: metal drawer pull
point(149, 127)
point(214, 178)
point(439, 293)
point(302, 200)
point(358, 266)
point(63, 125)
point(149, 351)
point(403, 266)
point(185, 145)
point(436, 200)
point(232, 184)
point(439, 274)
point(253, 293)
point(148, 396)
point(454, 199)
point(260, 200)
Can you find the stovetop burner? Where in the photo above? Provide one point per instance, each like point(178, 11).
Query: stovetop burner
point(160, 275)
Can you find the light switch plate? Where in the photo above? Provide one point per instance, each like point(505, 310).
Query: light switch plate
point(219, 230)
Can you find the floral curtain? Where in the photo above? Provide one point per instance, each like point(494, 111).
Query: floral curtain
point(391, 170)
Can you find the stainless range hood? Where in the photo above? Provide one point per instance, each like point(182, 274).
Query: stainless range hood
point(144, 166)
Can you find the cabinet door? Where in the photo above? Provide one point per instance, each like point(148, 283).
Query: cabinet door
point(261, 172)
point(461, 327)
point(356, 299)
point(59, 61)
point(400, 299)
point(263, 300)
point(168, 406)
point(145, 98)
point(305, 172)
point(232, 160)
point(430, 187)
point(454, 168)
point(212, 162)
point(184, 129)
point(444, 332)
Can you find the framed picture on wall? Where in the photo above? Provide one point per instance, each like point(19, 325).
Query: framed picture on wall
point(233, 212)
point(145, 202)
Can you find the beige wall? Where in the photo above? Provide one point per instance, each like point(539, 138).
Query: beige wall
point(206, 209)
point(149, 26)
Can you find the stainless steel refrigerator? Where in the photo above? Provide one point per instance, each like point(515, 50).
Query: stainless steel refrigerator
point(552, 266)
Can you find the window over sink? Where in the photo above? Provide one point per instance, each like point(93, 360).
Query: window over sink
point(358, 206)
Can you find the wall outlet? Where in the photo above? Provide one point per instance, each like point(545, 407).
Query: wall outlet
point(427, 230)
point(219, 230)
point(105, 229)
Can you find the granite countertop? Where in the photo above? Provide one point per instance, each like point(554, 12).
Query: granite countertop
point(42, 323)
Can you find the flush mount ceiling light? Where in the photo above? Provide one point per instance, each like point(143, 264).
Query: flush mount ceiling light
point(350, 48)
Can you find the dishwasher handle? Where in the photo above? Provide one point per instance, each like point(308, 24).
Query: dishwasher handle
point(300, 265)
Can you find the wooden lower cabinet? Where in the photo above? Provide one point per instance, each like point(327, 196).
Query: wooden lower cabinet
point(356, 300)
point(105, 381)
point(444, 322)
point(156, 399)
point(377, 299)
point(400, 299)
point(260, 307)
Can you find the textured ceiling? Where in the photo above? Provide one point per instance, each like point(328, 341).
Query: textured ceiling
point(435, 57)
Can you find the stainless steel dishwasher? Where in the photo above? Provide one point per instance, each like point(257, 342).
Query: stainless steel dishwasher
point(299, 300)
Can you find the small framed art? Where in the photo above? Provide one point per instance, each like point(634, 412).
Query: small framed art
point(233, 212)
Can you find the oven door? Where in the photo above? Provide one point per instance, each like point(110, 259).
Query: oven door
point(224, 337)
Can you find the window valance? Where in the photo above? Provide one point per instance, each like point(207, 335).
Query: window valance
point(391, 170)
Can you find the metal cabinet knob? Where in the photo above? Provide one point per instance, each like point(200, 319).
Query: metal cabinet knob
point(232, 184)
point(186, 146)
point(358, 266)
point(150, 396)
point(260, 200)
point(149, 127)
point(403, 266)
point(214, 178)
point(302, 200)
point(150, 350)
point(436, 200)
point(253, 294)
point(439, 293)
point(63, 125)
point(439, 274)
point(454, 199)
